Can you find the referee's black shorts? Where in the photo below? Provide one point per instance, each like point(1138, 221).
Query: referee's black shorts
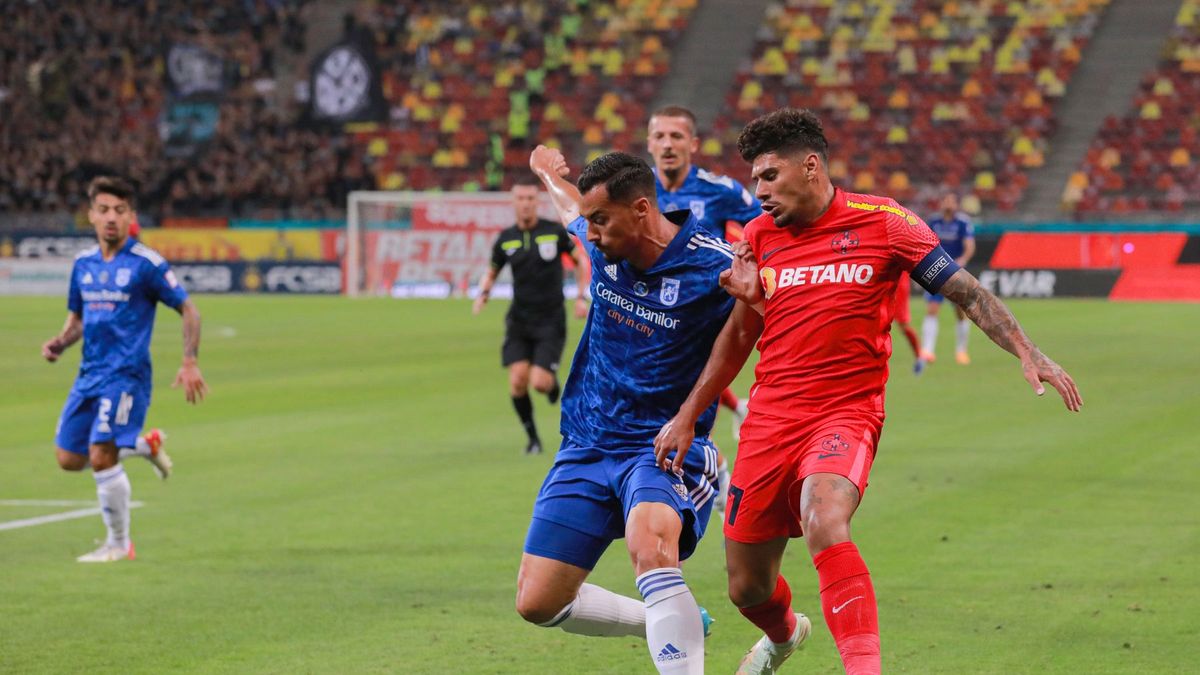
point(538, 340)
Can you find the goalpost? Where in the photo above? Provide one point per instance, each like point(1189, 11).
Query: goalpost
point(423, 244)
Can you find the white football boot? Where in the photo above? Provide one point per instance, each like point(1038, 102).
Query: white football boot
point(158, 457)
point(108, 553)
point(765, 657)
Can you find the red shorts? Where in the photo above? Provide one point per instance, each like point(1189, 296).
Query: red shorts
point(774, 457)
point(903, 296)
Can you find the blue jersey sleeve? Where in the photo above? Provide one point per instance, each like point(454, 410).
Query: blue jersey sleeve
point(74, 297)
point(578, 227)
point(968, 229)
point(741, 206)
point(164, 287)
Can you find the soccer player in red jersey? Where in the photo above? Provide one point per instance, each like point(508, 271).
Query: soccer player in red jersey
point(815, 282)
point(903, 317)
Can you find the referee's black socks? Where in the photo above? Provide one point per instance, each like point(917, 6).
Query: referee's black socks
point(524, 408)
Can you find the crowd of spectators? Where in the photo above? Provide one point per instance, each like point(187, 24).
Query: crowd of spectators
point(1148, 160)
point(83, 90)
point(471, 84)
point(919, 97)
point(468, 85)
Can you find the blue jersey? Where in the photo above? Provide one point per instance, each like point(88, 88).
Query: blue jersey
point(712, 198)
point(953, 233)
point(647, 338)
point(117, 299)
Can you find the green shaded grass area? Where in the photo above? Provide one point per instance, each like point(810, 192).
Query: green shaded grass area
point(352, 497)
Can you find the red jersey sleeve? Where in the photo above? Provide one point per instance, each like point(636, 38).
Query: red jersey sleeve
point(916, 248)
point(909, 237)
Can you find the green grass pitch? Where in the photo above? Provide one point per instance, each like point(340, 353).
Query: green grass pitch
point(352, 498)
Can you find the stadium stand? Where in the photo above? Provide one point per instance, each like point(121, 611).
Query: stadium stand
point(471, 87)
point(918, 97)
point(1147, 159)
point(69, 113)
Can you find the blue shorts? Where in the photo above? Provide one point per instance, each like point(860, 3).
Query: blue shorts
point(115, 414)
point(589, 492)
point(934, 297)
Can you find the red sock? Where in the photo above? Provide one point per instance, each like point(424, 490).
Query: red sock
point(912, 339)
point(729, 399)
point(848, 600)
point(775, 616)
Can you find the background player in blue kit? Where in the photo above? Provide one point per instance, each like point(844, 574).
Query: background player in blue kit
point(957, 235)
point(115, 288)
point(714, 199)
point(720, 203)
point(656, 306)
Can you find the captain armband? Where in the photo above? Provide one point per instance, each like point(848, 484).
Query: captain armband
point(934, 270)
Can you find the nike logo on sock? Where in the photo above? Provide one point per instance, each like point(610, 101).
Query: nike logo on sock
point(843, 605)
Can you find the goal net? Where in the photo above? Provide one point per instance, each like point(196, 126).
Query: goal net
point(425, 244)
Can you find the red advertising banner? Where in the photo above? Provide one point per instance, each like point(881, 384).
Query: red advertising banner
point(1088, 250)
point(442, 239)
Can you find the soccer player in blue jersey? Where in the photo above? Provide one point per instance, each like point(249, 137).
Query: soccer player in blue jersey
point(657, 306)
point(957, 235)
point(114, 290)
point(719, 204)
point(714, 199)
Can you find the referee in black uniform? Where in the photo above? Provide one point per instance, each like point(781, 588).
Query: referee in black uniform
point(535, 327)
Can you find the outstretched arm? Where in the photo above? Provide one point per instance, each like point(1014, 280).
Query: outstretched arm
point(729, 354)
point(583, 276)
point(189, 376)
point(998, 322)
point(71, 331)
point(551, 168)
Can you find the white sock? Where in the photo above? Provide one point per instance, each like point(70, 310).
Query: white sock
point(142, 450)
point(929, 331)
point(600, 612)
point(961, 331)
point(743, 408)
point(722, 482)
point(112, 489)
point(674, 631)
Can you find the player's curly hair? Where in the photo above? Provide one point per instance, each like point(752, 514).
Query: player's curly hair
point(783, 131)
point(627, 177)
point(112, 185)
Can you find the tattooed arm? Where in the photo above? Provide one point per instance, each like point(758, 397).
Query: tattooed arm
point(995, 319)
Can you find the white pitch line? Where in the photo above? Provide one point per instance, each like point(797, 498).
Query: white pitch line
point(56, 517)
point(46, 502)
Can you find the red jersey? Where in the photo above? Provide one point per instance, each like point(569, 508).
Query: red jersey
point(830, 288)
